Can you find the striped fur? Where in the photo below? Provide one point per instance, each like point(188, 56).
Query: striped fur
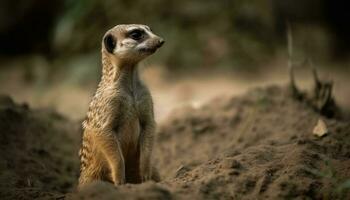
point(119, 127)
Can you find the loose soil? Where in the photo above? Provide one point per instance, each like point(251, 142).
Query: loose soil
point(255, 146)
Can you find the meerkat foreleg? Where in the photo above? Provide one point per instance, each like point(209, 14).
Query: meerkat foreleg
point(146, 145)
point(110, 148)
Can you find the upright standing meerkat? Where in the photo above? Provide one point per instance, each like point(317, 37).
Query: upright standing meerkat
point(119, 128)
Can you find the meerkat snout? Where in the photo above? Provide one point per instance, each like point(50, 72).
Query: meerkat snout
point(152, 44)
point(160, 42)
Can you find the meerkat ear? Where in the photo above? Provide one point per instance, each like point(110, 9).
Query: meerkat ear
point(110, 43)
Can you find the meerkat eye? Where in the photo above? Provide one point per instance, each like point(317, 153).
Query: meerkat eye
point(136, 34)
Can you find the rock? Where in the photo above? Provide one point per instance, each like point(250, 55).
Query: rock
point(320, 129)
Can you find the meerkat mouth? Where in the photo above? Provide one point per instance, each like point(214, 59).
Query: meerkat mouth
point(148, 50)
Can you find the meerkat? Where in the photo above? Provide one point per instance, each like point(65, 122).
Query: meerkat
point(119, 127)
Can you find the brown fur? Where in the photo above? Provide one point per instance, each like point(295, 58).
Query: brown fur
point(119, 128)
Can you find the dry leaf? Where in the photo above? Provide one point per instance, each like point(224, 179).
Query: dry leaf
point(320, 129)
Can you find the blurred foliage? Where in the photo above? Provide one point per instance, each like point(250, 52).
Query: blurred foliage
point(198, 33)
point(27, 26)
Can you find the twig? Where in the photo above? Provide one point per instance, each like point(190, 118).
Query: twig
point(293, 86)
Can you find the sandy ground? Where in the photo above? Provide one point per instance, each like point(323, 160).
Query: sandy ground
point(255, 145)
point(169, 91)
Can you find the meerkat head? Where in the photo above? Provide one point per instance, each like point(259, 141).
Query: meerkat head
point(130, 43)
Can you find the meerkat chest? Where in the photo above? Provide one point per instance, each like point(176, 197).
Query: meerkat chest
point(130, 128)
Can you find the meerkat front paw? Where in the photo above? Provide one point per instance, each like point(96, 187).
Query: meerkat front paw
point(146, 174)
point(119, 179)
point(119, 182)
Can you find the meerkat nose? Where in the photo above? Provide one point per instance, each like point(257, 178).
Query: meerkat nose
point(160, 42)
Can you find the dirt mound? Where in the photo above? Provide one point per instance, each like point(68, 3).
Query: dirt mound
point(259, 145)
point(38, 150)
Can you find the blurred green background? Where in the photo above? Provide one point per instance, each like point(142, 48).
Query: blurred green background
point(199, 33)
point(58, 41)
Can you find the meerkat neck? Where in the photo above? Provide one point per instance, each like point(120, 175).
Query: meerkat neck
point(128, 78)
point(115, 73)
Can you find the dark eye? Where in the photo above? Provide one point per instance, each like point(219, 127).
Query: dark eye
point(136, 34)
